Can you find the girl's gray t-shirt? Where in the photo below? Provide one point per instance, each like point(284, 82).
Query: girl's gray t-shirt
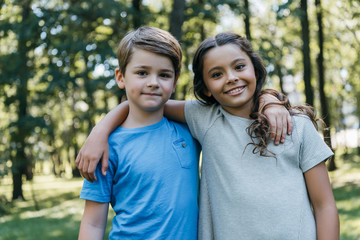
point(245, 196)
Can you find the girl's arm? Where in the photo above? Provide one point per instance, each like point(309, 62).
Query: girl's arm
point(96, 146)
point(94, 220)
point(323, 202)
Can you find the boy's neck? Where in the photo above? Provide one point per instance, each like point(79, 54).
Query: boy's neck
point(137, 119)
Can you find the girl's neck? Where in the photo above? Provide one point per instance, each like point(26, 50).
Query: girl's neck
point(243, 111)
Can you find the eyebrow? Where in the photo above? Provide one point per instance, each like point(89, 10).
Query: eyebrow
point(147, 67)
point(233, 62)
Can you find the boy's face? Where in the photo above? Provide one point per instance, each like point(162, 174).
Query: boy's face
point(149, 81)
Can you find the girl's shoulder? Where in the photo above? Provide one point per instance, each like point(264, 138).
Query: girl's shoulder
point(197, 109)
point(301, 121)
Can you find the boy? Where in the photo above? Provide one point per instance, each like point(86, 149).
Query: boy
point(152, 180)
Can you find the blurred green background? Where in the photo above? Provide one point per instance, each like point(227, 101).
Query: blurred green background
point(57, 62)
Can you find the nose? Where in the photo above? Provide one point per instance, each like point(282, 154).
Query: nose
point(152, 82)
point(232, 77)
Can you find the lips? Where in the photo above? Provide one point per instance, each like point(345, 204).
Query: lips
point(152, 94)
point(236, 90)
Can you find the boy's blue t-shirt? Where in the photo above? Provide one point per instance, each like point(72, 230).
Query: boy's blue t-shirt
point(151, 183)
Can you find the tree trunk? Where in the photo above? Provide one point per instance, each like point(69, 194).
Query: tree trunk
point(176, 22)
point(280, 75)
point(177, 18)
point(136, 16)
point(247, 20)
point(321, 70)
point(309, 93)
point(18, 138)
point(202, 29)
point(17, 173)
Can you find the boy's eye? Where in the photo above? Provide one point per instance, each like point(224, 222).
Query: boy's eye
point(142, 73)
point(239, 66)
point(216, 74)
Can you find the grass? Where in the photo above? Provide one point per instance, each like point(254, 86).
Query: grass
point(54, 214)
point(346, 188)
point(56, 210)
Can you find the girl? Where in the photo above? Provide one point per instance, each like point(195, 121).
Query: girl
point(250, 188)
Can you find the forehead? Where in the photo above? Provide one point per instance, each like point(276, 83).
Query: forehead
point(224, 52)
point(148, 58)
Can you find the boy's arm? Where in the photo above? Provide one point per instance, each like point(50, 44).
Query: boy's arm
point(174, 110)
point(94, 220)
point(278, 116)
point(323, 202)
point(96, 146)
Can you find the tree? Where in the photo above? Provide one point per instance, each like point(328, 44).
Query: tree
point(309, 93)
point(21, 71)
point(177, 18)
point(136, 13)
point(247, 19)
point(321, 71)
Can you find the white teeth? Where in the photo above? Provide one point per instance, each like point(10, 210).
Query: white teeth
point(236, 90)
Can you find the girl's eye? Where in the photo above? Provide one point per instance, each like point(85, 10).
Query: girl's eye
point(239, 67)
point(165, 75)
point(216, 75)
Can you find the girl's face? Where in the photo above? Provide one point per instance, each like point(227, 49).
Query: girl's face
point(229, 76)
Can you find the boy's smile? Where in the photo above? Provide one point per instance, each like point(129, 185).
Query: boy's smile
point(149, 81)
point(229, 76)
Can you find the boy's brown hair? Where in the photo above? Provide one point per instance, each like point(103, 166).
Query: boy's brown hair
point(151, 39)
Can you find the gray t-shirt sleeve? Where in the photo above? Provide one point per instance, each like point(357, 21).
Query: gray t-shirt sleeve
point(200, 117)
point(313, 149)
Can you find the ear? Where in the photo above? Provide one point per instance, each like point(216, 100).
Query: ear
point(206, 92)
point(119, 78)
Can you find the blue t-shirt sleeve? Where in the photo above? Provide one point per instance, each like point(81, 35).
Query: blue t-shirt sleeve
point(100, 190)
point(313, 149)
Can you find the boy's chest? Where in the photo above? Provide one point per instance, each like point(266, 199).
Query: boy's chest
point(155, 157)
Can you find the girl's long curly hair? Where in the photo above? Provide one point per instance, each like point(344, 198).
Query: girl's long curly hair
point(259, 130)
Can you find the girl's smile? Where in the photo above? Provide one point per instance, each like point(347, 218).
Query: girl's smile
point(229, 77)
point(236, 91)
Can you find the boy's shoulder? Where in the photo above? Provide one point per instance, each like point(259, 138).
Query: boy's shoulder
point(174, 124)
point(120, 133)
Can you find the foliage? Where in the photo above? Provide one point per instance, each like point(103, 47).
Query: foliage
point(57, 62)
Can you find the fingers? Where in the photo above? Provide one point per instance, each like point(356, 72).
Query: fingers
point(280, 123)
point(278, 130)
point(283, 129)
point(272, 123)
point(91, 170)
point(78, 159)
point(105, 162)
point(84, 170)
point(289, 124)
